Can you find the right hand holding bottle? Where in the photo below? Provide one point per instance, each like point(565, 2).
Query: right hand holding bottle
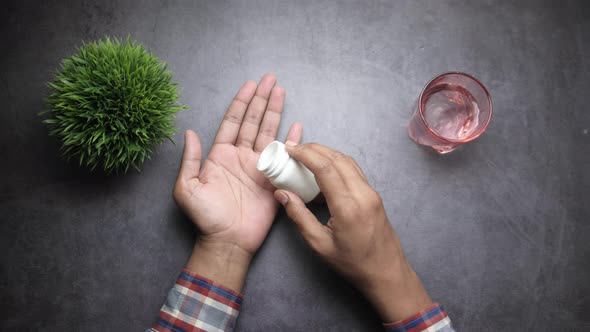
point(358, 241)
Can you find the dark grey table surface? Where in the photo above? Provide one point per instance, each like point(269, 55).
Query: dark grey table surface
point(498, 231)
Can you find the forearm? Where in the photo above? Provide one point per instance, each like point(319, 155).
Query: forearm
point(225, 263)
point(403, 303)
point(206, 295)
point(397, 292)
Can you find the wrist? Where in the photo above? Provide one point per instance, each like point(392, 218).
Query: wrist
point(224, 263)
point(397, 294)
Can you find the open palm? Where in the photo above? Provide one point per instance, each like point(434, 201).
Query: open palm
point(227, 198)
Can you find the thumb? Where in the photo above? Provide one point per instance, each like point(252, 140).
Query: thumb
point(308, 225)
point(191, 156)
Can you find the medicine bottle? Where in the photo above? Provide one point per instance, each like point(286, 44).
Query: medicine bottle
point(287, 173)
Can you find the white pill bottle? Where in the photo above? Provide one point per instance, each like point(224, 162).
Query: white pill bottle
point(287, 173)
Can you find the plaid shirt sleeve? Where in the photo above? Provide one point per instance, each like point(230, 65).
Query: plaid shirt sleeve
point(195, 304)
point(432, 319)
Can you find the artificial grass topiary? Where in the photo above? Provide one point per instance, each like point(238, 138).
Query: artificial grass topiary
point(110, 103)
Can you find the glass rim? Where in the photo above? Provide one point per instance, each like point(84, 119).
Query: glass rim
point(478, 132)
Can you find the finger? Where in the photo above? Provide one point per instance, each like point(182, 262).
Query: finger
point(255, 112)
point(295, 133)
point(271, 120)
point(330, 181)
point(191, 157)
point(311, 229)
point(232, 120)
point(346, 165)
point(359, 170)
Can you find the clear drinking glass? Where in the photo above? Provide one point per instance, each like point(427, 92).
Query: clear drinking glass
point(453, 108)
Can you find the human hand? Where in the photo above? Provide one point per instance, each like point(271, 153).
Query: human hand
point(358, 241)
point(228, 200)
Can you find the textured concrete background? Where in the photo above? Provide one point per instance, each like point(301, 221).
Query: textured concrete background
point(498, 231)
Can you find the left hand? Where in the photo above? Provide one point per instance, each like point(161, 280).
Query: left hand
point(229, 201)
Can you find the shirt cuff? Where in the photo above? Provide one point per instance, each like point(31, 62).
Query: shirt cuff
point(432, 319)
point(196, 303)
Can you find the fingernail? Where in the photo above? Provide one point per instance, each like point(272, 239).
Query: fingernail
point(290, 143)
point(279, 90)
point(283, 198)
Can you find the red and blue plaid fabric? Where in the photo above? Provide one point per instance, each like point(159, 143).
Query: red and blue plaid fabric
point(195, 304)
point(432, 319)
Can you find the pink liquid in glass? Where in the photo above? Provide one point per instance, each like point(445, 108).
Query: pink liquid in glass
point(453, 109)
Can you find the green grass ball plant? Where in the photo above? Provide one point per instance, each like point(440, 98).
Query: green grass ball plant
point(110, 103)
